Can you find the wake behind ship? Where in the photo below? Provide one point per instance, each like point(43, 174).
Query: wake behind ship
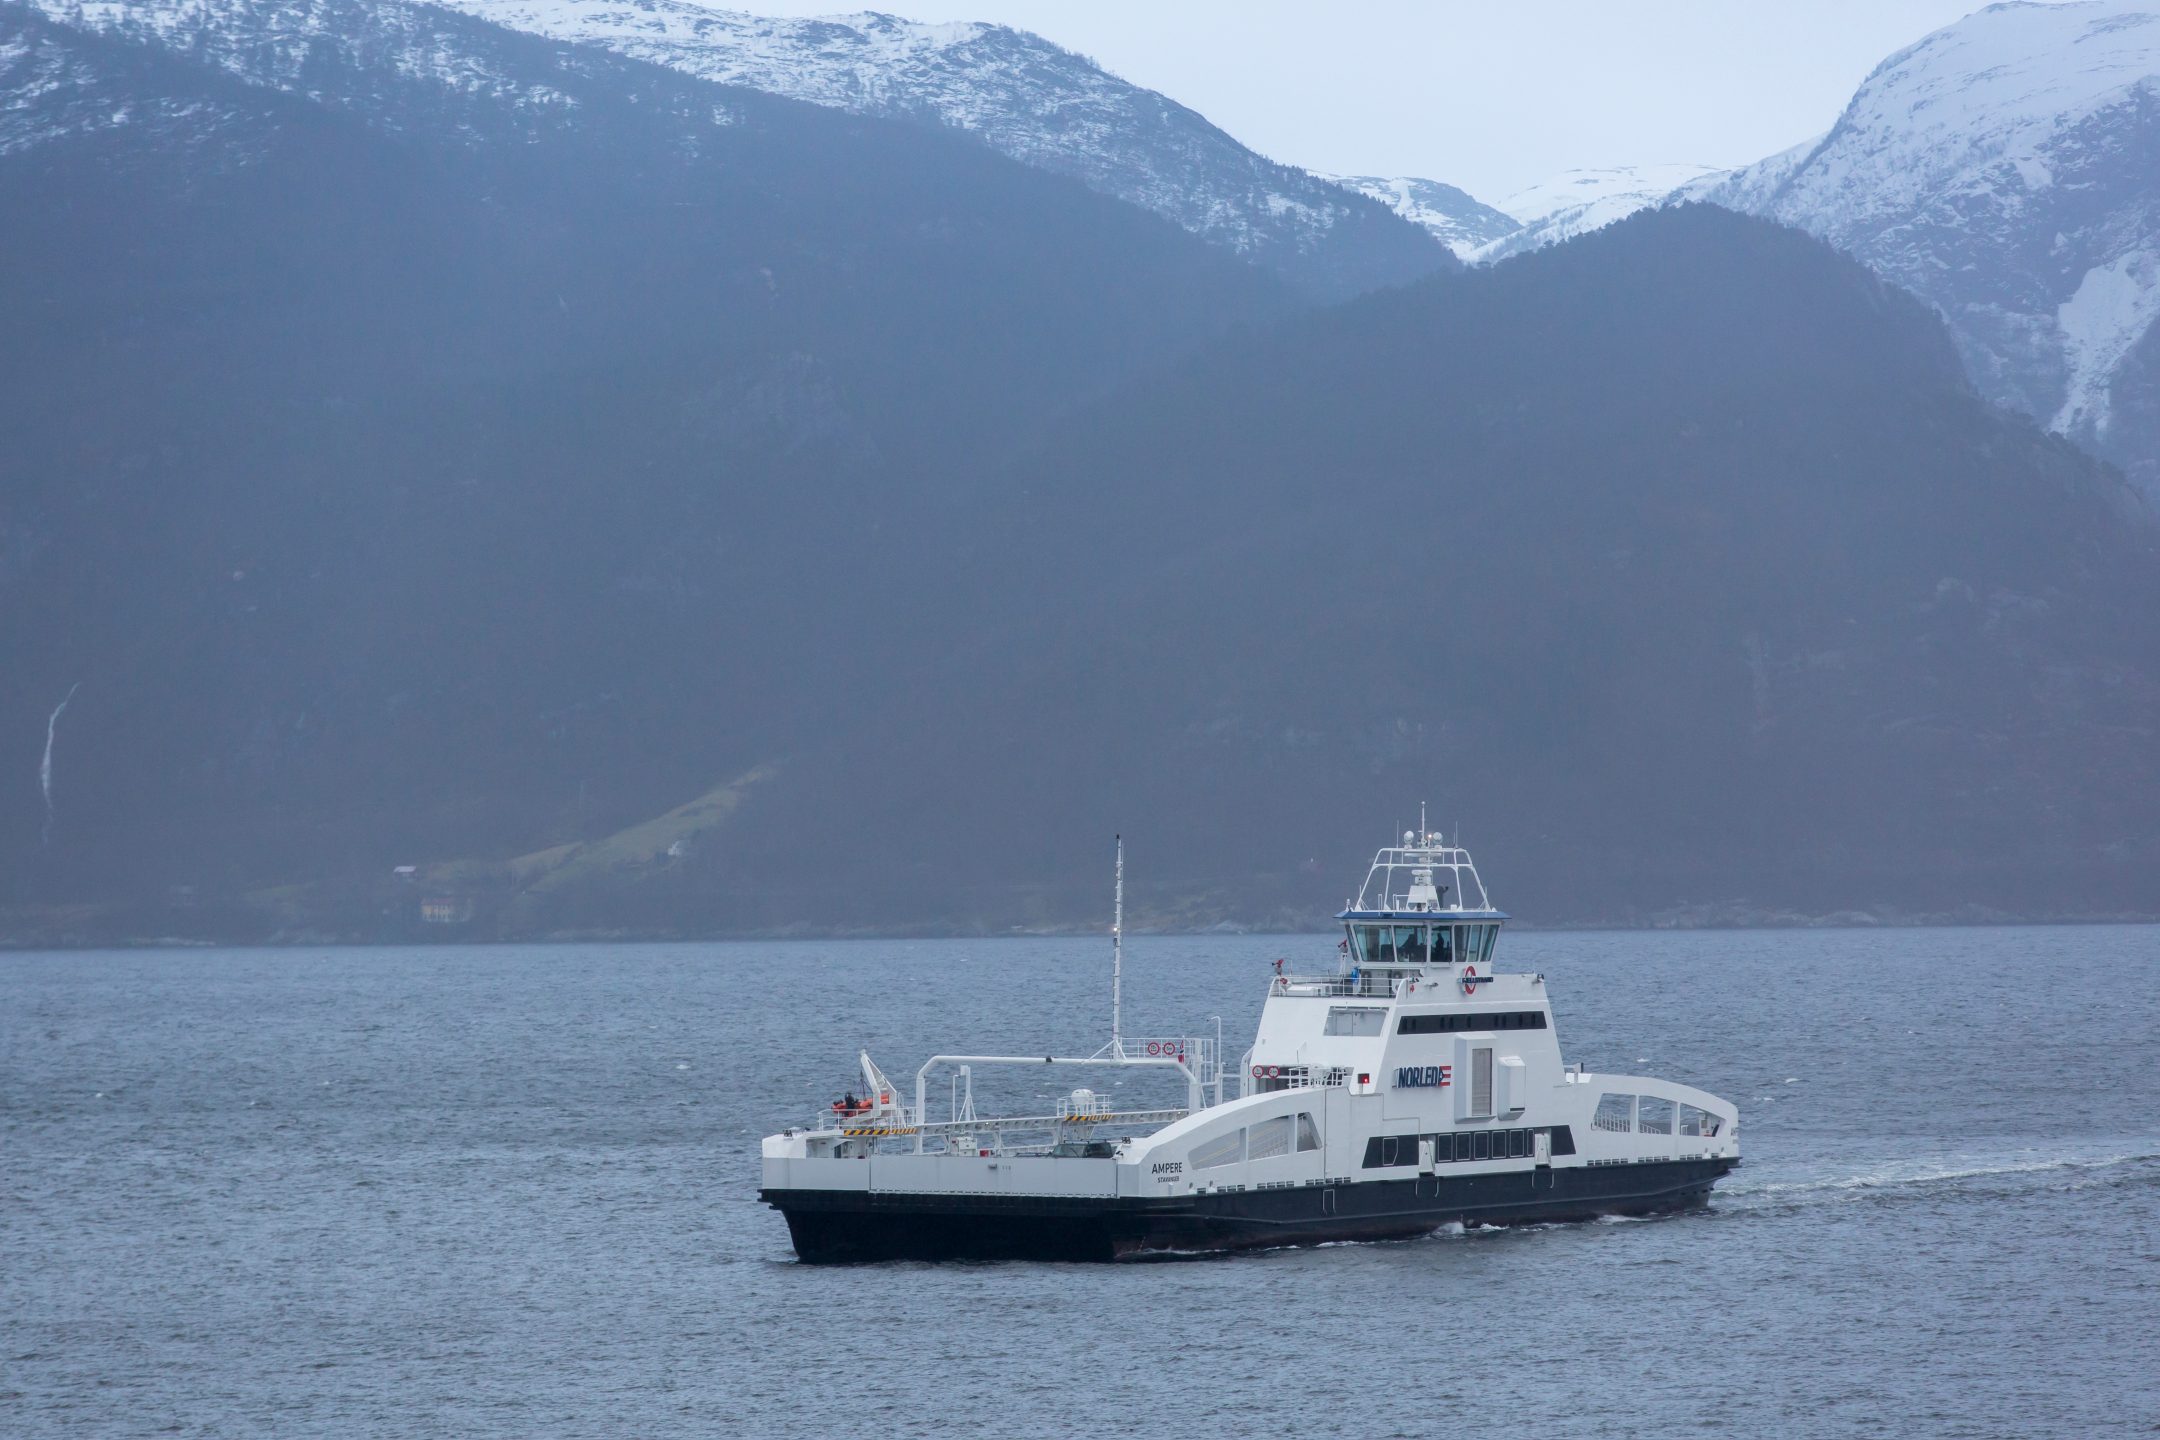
point(1413, 1087)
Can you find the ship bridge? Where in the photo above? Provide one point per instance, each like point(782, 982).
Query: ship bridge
point(1422, 904)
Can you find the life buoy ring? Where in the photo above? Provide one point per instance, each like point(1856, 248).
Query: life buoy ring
point(1274, 1072)
point(1469, 980)
point(1259, 1072)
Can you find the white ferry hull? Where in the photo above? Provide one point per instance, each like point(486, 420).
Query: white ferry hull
point(840, 1226)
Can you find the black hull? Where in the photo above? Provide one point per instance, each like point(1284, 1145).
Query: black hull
point(841, 1226)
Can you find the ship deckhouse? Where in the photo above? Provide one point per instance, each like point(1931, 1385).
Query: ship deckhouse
point(1422, 904)
point(1414, 987)
point(1408, 1086)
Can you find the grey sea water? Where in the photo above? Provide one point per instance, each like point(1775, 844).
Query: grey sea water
point(510, 1192)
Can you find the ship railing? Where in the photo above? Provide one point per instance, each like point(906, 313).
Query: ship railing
point(1002, 1132)
point(1190, 1057)
point(1428, 854)
point(1085, 1111)
point(1038, 1134)
point(1368, 984)
point(1263, 1078)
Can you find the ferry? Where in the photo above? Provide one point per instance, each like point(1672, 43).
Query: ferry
point(1411, 1087)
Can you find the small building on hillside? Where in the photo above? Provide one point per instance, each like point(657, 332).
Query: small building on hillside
point(446, 909)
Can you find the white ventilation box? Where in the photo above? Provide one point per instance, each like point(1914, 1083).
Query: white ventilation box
point(1510, 1086)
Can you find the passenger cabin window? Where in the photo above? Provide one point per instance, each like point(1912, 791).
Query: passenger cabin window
point(1268, 1139)
point(1382, 1151)
point(1452, 1022)
point(1355, 1020)
point(1653, 1115)
point(1226, 1149)
point(1694, 1121)
point(1465, 1145)
point(1308, 1134)
point(1615, 1112)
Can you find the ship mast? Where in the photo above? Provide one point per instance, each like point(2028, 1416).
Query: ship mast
point(1117, 958)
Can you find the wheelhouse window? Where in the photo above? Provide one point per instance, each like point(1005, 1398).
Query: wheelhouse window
point(1393, 944)
point(1444, 947)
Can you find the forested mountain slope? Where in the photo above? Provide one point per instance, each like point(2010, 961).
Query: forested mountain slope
point(464, 452)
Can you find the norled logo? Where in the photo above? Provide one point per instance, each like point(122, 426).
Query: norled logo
point(1429, 1076)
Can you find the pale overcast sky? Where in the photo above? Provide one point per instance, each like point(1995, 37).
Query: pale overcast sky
point(1491, 96)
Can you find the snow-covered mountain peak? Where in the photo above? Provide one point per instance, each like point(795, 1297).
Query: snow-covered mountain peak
point(2007, 169)
point(1458, 219)
point(1575, 202)
point(1024, 96)
point(845, 61)
point(1014, 91)
point(1990, 91)
point(1577, 190)
point(275, 43)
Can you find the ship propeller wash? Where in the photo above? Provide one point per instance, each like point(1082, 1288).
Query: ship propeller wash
point(1411, 1087)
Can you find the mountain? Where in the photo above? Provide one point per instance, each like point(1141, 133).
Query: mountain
point(461, 477)
point(1679, 565)
point(2004, 169)
point(426, 440)
point(1576, 202)
point(1457, 219)
point(1025, 98)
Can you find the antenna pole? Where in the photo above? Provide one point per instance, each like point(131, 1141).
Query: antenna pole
point(1117, 957)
